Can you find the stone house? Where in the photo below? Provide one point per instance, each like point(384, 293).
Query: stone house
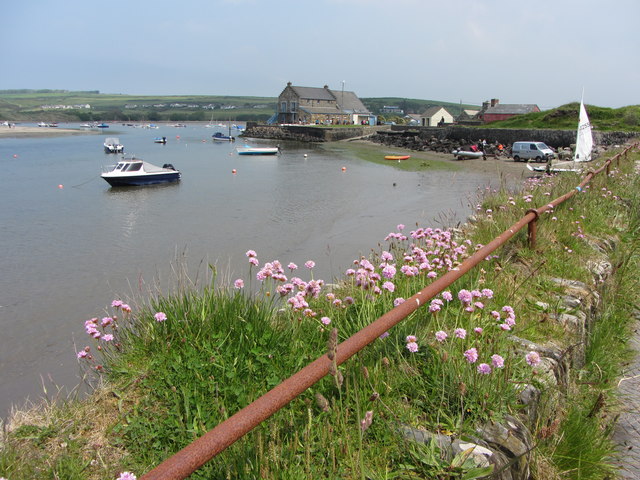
point(468, 117)
point(312, 105)
point(493, 111)
point(435, 116)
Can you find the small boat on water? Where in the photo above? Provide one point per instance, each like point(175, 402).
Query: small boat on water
point(221, 137)
point(397, 157)
point(113, 145)
point(247, 150)
point(133, 171)
point(102, 125)
point(162, 140)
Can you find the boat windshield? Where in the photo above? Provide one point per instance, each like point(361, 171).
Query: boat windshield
point(133, 167)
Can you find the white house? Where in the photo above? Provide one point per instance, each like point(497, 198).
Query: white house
point(435, 116)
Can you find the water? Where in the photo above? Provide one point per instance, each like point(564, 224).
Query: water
point(67, 252)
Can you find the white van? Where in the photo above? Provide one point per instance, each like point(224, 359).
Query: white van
point(526, 151)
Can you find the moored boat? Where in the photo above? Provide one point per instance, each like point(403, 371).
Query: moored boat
point(247, 150)
point(133, 171)
point(221, 137)
point(397, 157)
point(160, 140)
point(113, 145)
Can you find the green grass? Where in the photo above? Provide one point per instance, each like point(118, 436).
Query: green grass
point(624, 119)
point(162, 384)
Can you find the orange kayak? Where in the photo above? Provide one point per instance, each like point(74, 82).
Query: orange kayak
point(397, 157)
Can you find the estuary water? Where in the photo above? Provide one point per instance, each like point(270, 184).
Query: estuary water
point(70, 243)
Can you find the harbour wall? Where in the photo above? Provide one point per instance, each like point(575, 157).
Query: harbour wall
point(455, 133)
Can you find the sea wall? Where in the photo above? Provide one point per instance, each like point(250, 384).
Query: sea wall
point(418, 138)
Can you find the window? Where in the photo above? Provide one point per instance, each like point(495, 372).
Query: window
point(293, 106)
point(283, 106)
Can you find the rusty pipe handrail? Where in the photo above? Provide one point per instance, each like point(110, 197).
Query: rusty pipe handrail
point(203, 449)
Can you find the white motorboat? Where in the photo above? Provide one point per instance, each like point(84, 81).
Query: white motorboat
point(133, 171)
point(113, 145)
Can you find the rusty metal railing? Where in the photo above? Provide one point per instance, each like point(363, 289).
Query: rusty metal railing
point(200, 451)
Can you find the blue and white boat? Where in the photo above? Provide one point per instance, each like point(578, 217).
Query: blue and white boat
point(221, 137)
point(133, 171)
point(247, 150)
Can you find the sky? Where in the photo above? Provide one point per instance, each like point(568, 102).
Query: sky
point(543, 52)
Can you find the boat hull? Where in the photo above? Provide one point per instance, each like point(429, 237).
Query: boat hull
point(258, 151)
point(462, 154)
point(397, 157)
point(140, 180)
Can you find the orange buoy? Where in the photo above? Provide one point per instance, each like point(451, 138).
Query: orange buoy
point(233, 171)
point(344, 169)
point(15, 155)
point(61, 186)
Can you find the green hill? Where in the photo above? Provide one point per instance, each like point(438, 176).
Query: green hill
point(565, 117)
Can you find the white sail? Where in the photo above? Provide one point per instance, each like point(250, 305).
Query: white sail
point(584, 140)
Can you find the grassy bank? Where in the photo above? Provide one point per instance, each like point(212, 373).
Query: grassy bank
point(166, 369)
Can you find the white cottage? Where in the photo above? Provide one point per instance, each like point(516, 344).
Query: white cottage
point(435, 116)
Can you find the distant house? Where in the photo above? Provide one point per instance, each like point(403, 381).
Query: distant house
point(321, 105)
point(468, 117)
point(413, 119)
point(435, 116)
point(391, 109)
point(494, 111)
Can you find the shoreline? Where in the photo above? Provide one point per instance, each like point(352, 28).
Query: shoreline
point(39, 132)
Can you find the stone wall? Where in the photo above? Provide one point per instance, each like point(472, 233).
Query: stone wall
point(306, 133)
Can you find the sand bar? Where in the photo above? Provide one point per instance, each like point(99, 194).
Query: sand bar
point(19, 131)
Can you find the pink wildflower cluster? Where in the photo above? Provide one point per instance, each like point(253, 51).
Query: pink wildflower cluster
point(412, 343)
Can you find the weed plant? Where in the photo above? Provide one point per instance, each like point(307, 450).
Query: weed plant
point(168, 369)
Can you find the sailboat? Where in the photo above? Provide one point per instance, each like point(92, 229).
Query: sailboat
point(584, 148)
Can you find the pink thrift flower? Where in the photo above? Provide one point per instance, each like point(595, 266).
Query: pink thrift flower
point(479, 305)
point(441, 336)
point(389, 286)
point(412, 347)
point(116, 303)
point(398, 301)
point(82, 354)
point(411, 338)
point(125, 308)
point(484, 369)
point(447, 296)
point(160, 317)
point(465, 296)
point(309, 264)
point(239, 283)
point(107, 338)
point(384, 335)
point(532, 358)
point(127, 476)
point(497, 361)
point(325, 320)
point(478, 330)
point(487, 293)
point(434, 307)
point(389, 271)
point(251, 254)
point(254, 261)
point(400, 227)
point(106, 321)
point(505, 327)
point(292, 266)
point(460, 333)
point(471, 355)
point(495, 314)
point(366, 421)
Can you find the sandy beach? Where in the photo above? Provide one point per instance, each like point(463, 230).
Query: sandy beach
point(19, 131)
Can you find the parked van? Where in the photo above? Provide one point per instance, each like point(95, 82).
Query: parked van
point(526, 151)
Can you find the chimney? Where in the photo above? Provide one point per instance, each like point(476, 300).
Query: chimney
point(288, 84)
point(485, 105)
point(494, 102)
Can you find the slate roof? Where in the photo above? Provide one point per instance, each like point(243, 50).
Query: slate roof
point(431, 111)
point(511, 109)
point(349, 102)
point(313, 93)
